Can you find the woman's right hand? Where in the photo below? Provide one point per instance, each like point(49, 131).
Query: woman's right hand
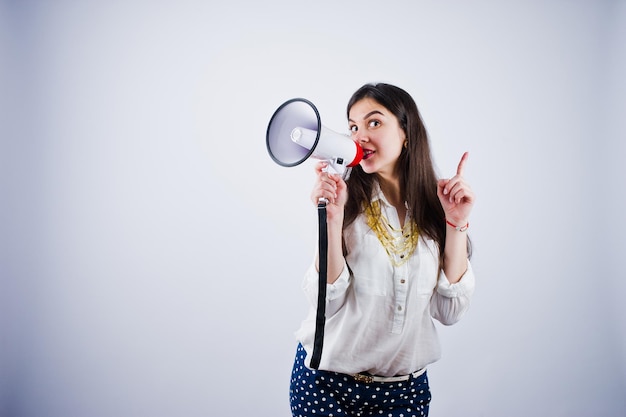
point(331, 187)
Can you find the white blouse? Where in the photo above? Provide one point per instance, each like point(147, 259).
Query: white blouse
point(379, 317)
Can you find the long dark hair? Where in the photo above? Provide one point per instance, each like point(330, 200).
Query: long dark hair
point(418, 181)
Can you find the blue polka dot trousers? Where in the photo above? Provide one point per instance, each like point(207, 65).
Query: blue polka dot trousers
point(331, 394)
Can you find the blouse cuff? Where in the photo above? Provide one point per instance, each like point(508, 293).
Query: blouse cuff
point(339, 287)
point(334, 290)
point(465, 286)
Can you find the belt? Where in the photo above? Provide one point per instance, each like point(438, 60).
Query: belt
point(368, 379)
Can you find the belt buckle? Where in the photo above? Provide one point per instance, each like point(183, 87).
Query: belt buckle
point(363, 378)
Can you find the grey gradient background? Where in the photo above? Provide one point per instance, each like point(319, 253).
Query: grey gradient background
point(151, 252)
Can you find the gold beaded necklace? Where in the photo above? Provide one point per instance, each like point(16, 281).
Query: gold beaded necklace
point(398, 243)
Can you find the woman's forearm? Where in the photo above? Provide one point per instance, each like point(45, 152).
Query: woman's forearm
point(455, 254)
point(335, 250)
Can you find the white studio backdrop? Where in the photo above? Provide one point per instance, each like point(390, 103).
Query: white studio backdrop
point(152, 253)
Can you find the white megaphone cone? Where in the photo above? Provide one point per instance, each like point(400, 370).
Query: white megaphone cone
point(295, 133)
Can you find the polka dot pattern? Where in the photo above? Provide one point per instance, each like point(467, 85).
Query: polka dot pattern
point(331, 394)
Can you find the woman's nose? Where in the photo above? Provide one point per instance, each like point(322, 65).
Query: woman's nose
point(361, 138)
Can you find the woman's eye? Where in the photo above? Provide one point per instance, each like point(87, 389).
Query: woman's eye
point(374, 123)
point(353, 128)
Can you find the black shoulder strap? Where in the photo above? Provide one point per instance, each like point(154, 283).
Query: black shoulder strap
point(320, 319)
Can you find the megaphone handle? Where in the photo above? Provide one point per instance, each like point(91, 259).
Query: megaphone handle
point(320, 320)
point(334, 168)
point(330, 169)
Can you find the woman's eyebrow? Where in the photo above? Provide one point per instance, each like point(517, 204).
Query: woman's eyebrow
point(373, 112)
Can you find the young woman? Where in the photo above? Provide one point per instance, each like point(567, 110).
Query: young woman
point(398, 257)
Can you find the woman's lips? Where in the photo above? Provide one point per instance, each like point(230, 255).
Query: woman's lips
point(367, 153)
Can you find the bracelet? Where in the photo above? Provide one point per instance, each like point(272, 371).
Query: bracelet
point(459, 228)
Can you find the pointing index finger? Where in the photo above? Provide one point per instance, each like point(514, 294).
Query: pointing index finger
point(461, 167)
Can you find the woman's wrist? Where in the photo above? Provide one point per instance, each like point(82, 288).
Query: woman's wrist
point(459, 226)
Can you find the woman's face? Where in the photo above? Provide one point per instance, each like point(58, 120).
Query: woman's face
point(379, 133)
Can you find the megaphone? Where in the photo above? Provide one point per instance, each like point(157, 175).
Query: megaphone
point(295, 133)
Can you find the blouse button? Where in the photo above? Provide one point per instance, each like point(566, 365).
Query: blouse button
point(402, 281)
point(399, 308)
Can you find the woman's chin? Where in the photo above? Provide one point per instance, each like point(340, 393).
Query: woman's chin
point(367, 168)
